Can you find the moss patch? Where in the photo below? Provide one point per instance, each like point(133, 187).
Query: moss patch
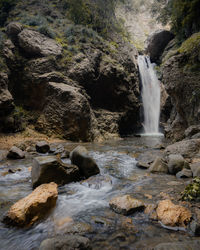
point(192, 191)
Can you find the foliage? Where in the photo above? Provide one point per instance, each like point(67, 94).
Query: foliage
point(183, 15)
point(37, 20)
point(45, 30)
point(5, 7)
point(192, 191)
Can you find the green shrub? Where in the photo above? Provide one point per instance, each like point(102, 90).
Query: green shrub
point(5, 7)
point(34, 20)
point(45, 30)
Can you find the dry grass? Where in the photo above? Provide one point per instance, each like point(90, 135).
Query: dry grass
point(8, 140)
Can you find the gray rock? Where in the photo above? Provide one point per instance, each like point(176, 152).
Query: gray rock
point(86, 164)
point(36, 44)
point(96, 182)
point(42, 147)
point(175, 163)
point(56, 149)
point(158, 166)
point(47, 169)
point(196, 136)
point(186, 148)
point(194, 227)
point(3, 154)
point(66, 242)
point(15, 153)
point(13, 29)
point(192, 130)
point(6, 99)
point(185, 245)
point(195, 167)
point(157, 42)
point(185, 173)
point(142, 165)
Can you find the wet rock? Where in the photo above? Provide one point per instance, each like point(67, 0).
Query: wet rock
point(185, 245)
point(194, 226)
point(33, 207)
point(150, 210)
point(56, 149)
point(185, 173)
point(63, 222)
point(68, 242)
point(15, 153)
point(142, 165)
point(77, 228)
point(65, 154)
point(157, 43)
point(158, 166)
point(172, 215)
point(195, 167)
point(86, 164)
point(42, 147)
point(126, 205)
point(175, 163)
point(96, 182)
point(49, 168)
point(36, 44)
point(186, 148)
point(192, 130)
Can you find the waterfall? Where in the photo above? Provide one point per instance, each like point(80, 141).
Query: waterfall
point(150, 95)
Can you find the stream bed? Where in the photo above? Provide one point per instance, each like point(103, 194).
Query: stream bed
point(83, 208)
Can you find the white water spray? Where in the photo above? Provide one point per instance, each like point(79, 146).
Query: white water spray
point(150, 95)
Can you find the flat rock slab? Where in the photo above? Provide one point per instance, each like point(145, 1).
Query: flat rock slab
point(33, 207)
point(70, 242)
point(126, 205)
point(172, 215)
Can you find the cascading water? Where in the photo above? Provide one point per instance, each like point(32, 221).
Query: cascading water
point(150, 95)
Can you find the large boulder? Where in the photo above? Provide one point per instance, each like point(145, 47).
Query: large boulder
point(173, 215)
point(68, 242)
point(36, 44)
point(158, 166)
point(13, 29)
point(186, 148)
point(176, 163)
point(72, 117)
point(87, 165)
point(157, 42)
point(33, 207)
point(46, 169)
point(126, 204)
point(195, 167)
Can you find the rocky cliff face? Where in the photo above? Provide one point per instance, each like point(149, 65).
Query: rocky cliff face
point(181, 76)
point(66, 79)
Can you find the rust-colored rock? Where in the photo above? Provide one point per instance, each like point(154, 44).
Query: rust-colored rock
point(33, 207)
point(126, 204)
point(172, 215)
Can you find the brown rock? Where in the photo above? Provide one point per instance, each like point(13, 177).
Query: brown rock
point(172, 215)
point(36, 44)
point(33, 207)
point(126, 205)
point(158, 166)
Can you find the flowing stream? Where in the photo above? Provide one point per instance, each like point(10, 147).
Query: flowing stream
point(83, 207)
point(150, 95)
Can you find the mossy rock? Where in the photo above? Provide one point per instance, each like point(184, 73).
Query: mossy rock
point(192, 191)
point(191, 45)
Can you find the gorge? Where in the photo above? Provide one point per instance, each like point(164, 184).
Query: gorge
point(79, 81)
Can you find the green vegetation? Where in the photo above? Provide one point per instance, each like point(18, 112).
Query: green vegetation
point(192, 191)
point(183, 16)
point(5, 7)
